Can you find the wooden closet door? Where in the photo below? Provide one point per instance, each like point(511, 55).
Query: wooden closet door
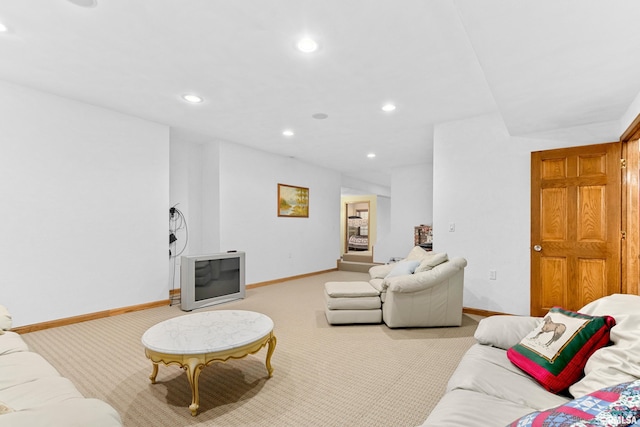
point(575, 226)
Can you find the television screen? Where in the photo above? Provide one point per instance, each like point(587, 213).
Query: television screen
point(217, 277)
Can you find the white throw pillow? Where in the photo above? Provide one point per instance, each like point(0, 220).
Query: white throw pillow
point(505, 331)
point(403, 268)
point(431, 260)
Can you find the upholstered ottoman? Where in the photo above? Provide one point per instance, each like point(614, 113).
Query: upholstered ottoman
point(352, 302)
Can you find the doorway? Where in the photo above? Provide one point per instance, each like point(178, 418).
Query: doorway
point(357, 229)
point(358, 224)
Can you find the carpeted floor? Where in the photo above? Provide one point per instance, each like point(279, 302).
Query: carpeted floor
point(355, 375)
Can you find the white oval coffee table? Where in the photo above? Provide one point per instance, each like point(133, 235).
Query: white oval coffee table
point(196, 340)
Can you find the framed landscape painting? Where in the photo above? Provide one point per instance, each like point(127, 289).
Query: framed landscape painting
point(293, 201)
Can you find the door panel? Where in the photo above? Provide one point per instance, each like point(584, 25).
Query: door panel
point(593, 274)
point(554, 217)
point(553, 273)
point(575, 226)
point(591, 209)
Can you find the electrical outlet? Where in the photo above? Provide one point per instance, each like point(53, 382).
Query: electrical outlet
point(492, 274)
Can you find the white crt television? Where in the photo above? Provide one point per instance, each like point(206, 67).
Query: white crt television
point(211, 279)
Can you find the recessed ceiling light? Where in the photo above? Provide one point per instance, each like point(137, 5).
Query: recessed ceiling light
point(307, 45)
point(3, 28)
point(371, 155)
point(287, 132)
point(194, 99)
point(84, 3)
point(388, 107)
point(320, 116)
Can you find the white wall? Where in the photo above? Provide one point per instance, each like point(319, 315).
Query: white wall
point(238, 186)
point(382, 251)
point(84, 192)
point(353, 186)
point(210, 194)
point(482, 185)
point(630, 115)
point(411, 205)
point(187, 195)
point(275, 246)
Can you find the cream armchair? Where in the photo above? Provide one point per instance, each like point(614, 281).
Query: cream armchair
point(430, 296)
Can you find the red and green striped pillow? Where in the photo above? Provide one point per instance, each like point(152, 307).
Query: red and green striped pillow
point(555, 352)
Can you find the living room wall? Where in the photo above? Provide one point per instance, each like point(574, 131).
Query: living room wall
point(85, 192)
point(482, 185)
point(411, 205)
point(382, 251)
point(239, 184)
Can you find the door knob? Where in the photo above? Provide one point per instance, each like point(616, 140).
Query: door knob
point(537, 248)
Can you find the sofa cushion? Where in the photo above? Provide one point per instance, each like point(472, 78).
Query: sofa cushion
point(381, 286)
point(351, 303)
point(380, 271)
point(38, 392)
point(350, 289)
point(619, 362)
point(11, 342)
point(431, 260)
point(23, 367)
point(78, 412)
point(617, 405)
point(487, 371)
point(505, 331)
point(403, 268)
point(378, 284)
point(556, 351)
point(468, 408)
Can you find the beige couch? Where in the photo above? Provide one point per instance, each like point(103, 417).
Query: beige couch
point(32, 392)
point(487, 390)
point(427, 294)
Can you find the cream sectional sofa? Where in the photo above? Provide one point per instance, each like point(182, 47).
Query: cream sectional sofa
point(425, 289)
point(32, 392)
point(422, 290)
point(487, 390)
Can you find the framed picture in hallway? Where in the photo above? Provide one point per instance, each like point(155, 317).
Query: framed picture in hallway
point(293, 201)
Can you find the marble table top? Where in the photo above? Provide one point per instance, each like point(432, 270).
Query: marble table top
point(207, 332)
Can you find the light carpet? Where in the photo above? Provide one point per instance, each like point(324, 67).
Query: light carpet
point(352, 375)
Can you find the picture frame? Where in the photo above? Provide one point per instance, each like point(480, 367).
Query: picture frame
point(293, 201)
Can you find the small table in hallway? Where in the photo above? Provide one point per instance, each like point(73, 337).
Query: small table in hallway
point(196, 340)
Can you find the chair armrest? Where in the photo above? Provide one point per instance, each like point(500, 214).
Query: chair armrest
point(426, 279)
point(380, 271)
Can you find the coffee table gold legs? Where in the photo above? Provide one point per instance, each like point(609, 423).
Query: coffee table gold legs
point(272, 347)
point(154, 373)
point(193, 368)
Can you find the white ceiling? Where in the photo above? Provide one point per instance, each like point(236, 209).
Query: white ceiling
point(552, 68)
